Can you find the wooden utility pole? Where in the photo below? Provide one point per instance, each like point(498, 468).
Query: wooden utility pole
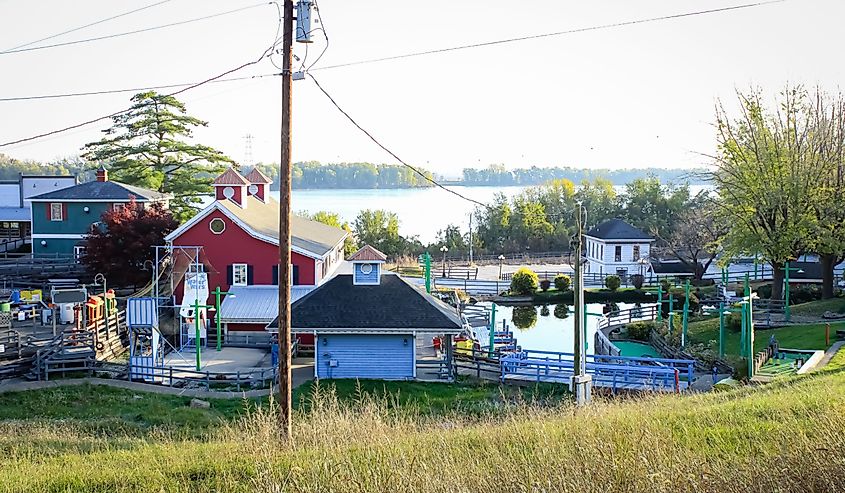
point(284, 226)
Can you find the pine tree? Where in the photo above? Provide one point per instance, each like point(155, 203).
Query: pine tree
point(148, 146)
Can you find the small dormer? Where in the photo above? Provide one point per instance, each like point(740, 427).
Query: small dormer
point(259, 185)
point(366, 266)
point(231, 186)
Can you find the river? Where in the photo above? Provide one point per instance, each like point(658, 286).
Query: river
point(422, 211)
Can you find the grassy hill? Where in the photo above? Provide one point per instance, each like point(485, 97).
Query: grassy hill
point(787, 436)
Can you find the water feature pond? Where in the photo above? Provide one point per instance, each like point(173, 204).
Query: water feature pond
point(549, 327)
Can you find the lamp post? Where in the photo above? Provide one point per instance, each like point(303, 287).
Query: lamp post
point(786, 269)
point(197, 307)
point(444, 249)
point(217, 294)
point(501, 261)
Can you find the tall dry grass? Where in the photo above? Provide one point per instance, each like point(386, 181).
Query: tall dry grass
point(782, 438)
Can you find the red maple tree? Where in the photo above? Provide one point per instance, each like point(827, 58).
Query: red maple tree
point(122, 242)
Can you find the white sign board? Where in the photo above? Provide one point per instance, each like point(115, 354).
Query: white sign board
point(196, 288)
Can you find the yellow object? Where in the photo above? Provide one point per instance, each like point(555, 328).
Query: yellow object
point(35, 295)
point(465, 347)
point(26, 295)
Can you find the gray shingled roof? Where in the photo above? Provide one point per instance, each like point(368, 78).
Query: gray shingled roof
point(309, 235)
point(393, 304)
point(102, 190)
point(617, 229)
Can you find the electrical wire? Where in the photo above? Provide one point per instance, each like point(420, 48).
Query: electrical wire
point(137, 31)
point(133, 89)
point(112, 115)
point(52, 36)
point(325, 35)
point(392, 154)
point(376, 60)
point(551, 34)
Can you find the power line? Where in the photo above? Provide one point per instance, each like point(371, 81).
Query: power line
point(132, 89)
point(85, 26)
point(137, 31)
point(412, 168)
point(112, 115)
point(551, 34)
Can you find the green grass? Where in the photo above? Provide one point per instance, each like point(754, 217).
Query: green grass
point(787, 436)
point(808, 336)
point(817, 308)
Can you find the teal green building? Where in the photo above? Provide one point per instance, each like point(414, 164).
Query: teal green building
point(62, 218)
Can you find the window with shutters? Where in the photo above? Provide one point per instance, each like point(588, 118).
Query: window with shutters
point(617, 254)
point(56, 212)
point(239, 275)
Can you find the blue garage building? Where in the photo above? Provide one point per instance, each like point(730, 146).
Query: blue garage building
point(371, 324)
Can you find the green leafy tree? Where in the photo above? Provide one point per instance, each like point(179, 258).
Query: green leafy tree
point(350, 245)
point(149, 146)
point(599, 199)
point(452, 238)
point(653, 207)
point(766, 177)
point(380, 229)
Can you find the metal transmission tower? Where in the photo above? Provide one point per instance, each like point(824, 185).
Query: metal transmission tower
point(248, 159)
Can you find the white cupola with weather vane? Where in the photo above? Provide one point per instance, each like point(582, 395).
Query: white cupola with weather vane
point(366, 266)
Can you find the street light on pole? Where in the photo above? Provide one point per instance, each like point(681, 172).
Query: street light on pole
point(444, 249)
point(501, 261)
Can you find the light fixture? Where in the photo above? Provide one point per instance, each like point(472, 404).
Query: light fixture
point(325, 341)
point(43, 242)
point(86, 209)
point(405, 341)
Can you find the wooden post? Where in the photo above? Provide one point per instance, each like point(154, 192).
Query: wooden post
point(284, 226)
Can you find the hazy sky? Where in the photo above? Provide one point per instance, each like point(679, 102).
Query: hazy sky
point(626, 97)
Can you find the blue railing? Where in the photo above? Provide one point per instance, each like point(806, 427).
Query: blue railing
point(615, 372)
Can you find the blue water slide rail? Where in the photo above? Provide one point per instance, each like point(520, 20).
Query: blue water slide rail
point(615, 372)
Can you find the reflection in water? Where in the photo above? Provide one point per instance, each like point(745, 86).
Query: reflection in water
point(524, 317)
point(561, 311)
point(544, 311)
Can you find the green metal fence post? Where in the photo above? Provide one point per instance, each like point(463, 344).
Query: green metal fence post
point(686, 316)
point(659, 302)
point(491, 351)
point(427, 273)
point(721, 329)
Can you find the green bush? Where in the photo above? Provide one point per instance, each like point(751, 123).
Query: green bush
point(665, 284)
point(637, 280)
point(545, 284)
point(639, 330)
point(562, 282)
point(524, 317)
point(612, 282)
point(733, 322)
point(524, 282)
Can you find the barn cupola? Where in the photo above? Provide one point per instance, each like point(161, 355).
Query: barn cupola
point(231, 186)
point(366, 264)
point(259, 185)
point(102, 173)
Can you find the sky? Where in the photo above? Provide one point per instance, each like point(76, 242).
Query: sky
point(632, 96)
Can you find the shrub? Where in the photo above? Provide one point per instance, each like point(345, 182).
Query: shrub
point(545, 284)
point(524, 282)
point(524, 317)
point(544, 311)
point(733, 322)
point(639, 330)
point(612, 282)
point(562, 282)
point(665, 284)
point(637, 280)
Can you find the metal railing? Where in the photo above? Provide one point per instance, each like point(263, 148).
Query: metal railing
point(170, 377)
point(473, 286)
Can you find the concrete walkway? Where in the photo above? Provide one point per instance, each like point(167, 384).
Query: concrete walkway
point(829, 354)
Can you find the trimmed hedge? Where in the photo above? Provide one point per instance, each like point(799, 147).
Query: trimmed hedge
point(524, 282)
point(562, 282)
point(612, 282)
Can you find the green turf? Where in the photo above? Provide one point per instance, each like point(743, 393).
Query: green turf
point(637, 349)
point(819, 307)
point(808, 336)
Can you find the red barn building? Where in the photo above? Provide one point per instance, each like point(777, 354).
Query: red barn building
point(239, 237)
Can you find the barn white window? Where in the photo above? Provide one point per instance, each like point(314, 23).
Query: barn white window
point(56, 212)
point(239, 275)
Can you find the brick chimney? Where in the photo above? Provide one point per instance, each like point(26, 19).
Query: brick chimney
point(102, 173)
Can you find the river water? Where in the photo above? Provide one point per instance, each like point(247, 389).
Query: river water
point(422, 211)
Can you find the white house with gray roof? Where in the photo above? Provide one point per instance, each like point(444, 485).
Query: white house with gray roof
point(616, 247)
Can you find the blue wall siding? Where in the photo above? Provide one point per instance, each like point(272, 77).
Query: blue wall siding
point(77, 221)
point(385, 357)
point(371, 278)
point(63, 246)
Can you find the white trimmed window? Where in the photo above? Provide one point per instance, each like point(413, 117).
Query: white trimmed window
point(77, 252)
point(239, 275)
point(636, 255)
point(56, 212)
point(118, 207)
point(217, 225)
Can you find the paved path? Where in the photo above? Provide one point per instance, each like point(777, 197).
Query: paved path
point(829, 354)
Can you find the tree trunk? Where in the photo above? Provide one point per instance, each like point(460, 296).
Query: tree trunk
point(827, 261)
point(777, 280)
